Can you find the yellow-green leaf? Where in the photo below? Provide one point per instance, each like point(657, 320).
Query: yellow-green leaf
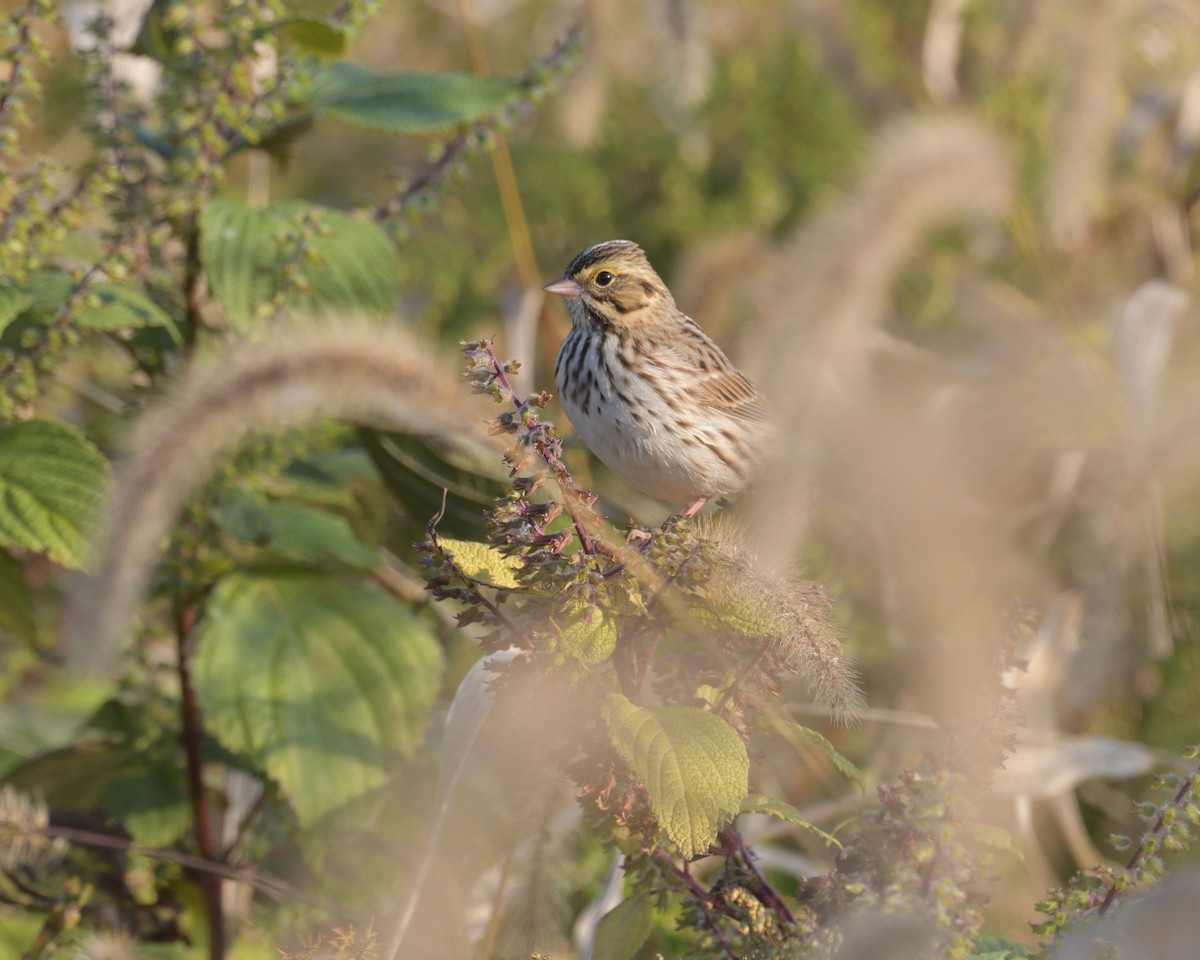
point(782, 810)
point(798, 734)
point(693, 765)
point(589, 635)
point(483, 563)
point(103, 306)
point(751, 616)
point(52, 482)
point(316, 36)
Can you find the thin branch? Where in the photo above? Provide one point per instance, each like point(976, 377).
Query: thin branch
point(762, 890)
point(537, 79)
point(573, 494)
point(25, 18)
point(1139, 853)
point(193, 284)
point(275, 887)
point(429, 175)
point(243, 828)
point(192, 733)
point(745, 672)
point(700, 895)
point(114, 248)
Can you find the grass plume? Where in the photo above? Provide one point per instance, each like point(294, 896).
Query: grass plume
point(826, 293)
point(23, 840)
point(1086, 116)
point(792, 613)
point(353, 368)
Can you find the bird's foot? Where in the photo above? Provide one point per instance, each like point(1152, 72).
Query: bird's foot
point(693, 508)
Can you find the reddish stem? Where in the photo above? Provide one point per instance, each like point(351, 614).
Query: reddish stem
point(210, 883)
point(1135, 859)
point(700, 895)
point(765, 893)
point(567, 486)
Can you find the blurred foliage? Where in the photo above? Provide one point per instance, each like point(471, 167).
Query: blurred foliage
point(181, 178)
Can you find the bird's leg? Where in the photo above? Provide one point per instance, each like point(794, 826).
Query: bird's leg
point(693, 508)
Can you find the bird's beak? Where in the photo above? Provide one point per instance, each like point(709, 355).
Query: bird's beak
point(564, 287)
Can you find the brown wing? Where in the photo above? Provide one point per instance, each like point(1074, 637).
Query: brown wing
point(719, 385)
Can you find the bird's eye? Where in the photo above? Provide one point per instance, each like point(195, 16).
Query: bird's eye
point(604, 278)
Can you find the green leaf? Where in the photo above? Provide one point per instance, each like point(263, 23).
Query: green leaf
point(749, 614)
point(692, 763)
point(18, 929)
point(102, 306)
point(52, 482)
point(152, 804)
point(1000, 948)
point(124, 308)
point(482, 562)
point(323, 680)
point(417, 471)
point(305, 533)
point(48, 289)
point(589, 635)
point(240, 250)
point(16, 604)
point(797, 733)
point(293, 530)
point(13, 302)
point(409, 102)
point(622, 931)
point(315, 36)
point(75, 776)
point(782, 810)
point(328, 479)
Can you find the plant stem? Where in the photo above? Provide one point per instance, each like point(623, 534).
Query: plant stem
point(426, 178)
point(25, 18)
point(193, 285)
point(740, 678)
point(701, 897)
point(570, 490)
point(210, 883)
point(1135, 859)
point(274, 887)
point(643, 664)
point(765, 893)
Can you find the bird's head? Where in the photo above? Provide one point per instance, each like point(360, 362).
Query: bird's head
point(612, 283)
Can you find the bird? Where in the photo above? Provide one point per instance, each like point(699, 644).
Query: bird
point(648, 391)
